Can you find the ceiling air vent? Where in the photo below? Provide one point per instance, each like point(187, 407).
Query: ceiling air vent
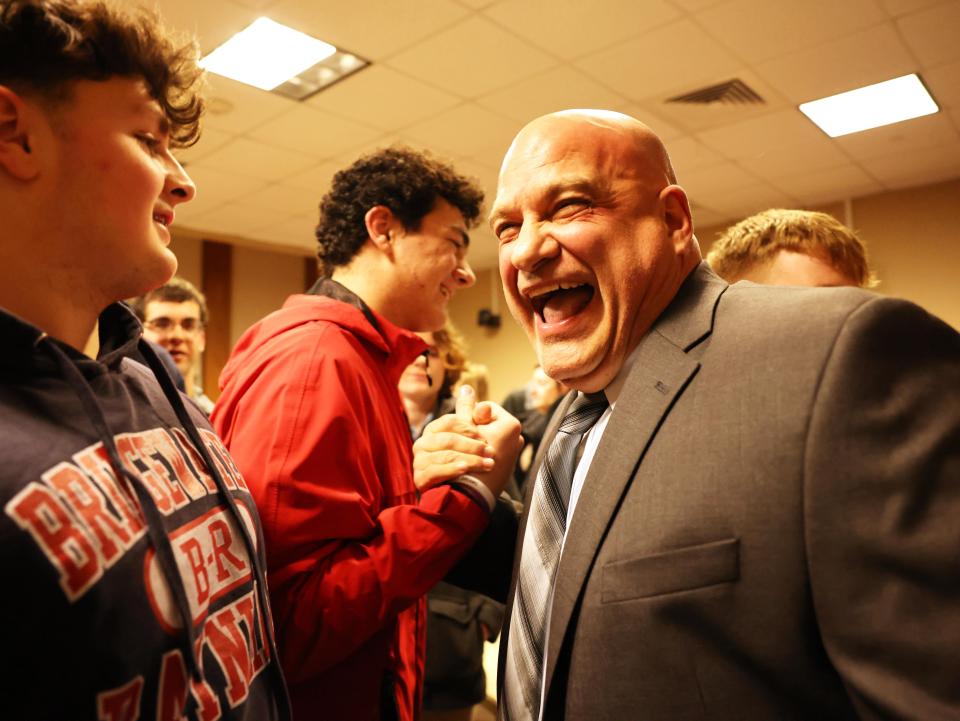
point(735, 92)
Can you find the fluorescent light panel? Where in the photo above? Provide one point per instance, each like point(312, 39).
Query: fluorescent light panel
point(267, 54)
point(871, 107)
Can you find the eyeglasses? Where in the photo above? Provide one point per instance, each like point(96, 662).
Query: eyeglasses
point(167, 325)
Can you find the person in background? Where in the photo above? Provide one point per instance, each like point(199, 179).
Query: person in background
point(458, 621)
point(133, 575)
point(754, 486)
point(310, 410)
point(175, 317)
point(792, 247)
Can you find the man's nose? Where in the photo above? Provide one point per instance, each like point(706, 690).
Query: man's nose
point(464, 274)
point(534, 244)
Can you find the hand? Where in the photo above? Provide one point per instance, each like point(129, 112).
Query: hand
point(449, 447)
point(499, 429)
point(479, 439)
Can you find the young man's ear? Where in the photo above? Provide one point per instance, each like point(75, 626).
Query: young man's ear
point(380, 223)
point(16, 155)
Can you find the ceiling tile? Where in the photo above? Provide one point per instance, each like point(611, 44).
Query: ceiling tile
point(775, 160)
point(219, 186)
point(741, 201)
point(210, 140)
point(755, 134)
point(187, 213)
point(213, 22)
point(695, 6)
point(943, 82)
point(932, 33)
point(700, 116)
point(282, 198)
point(382, 97)
point(666, 131)
point(239, 219)
point(759, 29)
point(466, 130)
point(374, 29)
point(637, 70)
point(703, 184)
point(776, 144)
point(318, 133)
point(572, 29)
point(905, 7)
point(930, 165)
point(473, 58)
point(316, 178)
point(257, 160)
point(904, 137)
point(688, 154)
point(862, 58)
point(236, 108)
point(829, 185)
point(557, 89)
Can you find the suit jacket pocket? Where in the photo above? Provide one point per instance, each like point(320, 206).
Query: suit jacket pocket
point(682, 569)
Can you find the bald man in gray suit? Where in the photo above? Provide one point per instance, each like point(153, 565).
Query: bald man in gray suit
point(765, 522)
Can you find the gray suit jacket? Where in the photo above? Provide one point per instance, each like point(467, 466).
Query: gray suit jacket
point(770, 528)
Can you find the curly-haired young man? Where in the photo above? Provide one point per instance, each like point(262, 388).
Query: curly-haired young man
point(311, 411)
point(130, 545)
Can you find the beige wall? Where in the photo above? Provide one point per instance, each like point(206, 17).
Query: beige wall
point(189, 252)
point(262, 280)
point(913, 243)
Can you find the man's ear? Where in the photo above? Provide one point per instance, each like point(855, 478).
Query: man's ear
point(676, 215)
point(16, 155)
point(380, 223)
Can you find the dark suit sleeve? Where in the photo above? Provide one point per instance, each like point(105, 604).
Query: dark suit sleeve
point(487, 566)
point(882, 505)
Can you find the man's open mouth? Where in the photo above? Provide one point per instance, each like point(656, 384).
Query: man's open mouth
point(562, 302)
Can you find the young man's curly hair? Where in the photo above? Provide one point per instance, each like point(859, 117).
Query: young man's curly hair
point(406, 181)
point(47, 44)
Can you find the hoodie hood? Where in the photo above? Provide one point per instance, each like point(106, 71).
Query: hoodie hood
point(120, 333)
point(328, 302)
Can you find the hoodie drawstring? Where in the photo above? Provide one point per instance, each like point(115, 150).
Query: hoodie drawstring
point(154, 520)
point(176, 402)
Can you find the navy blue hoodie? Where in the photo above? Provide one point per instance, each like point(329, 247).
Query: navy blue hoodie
point(123, 515)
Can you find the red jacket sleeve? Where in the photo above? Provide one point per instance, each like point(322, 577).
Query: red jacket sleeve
point(325, 448)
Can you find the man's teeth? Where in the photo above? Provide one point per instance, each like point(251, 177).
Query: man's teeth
point(553, 289)
point(162, 219)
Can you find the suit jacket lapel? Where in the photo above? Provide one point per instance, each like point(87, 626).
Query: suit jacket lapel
point(660, 373)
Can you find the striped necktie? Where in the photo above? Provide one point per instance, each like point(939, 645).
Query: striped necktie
point(540, 554)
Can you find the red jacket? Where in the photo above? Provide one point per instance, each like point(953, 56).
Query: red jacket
point(311, 414)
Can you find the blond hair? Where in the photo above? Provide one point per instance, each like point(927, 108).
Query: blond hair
point(761, 237)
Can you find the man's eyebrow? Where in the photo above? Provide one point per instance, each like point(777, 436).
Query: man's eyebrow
point(156, 115)
point(462, 233)
point(549, 193)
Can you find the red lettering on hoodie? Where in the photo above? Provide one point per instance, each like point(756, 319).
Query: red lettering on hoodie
point(121, 704)
point(64, 541)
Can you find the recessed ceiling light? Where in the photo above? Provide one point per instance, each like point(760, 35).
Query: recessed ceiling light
point(871, 106)
point(271, 56)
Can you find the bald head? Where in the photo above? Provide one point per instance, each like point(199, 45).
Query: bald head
point(595, 239)
point(612, 132)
